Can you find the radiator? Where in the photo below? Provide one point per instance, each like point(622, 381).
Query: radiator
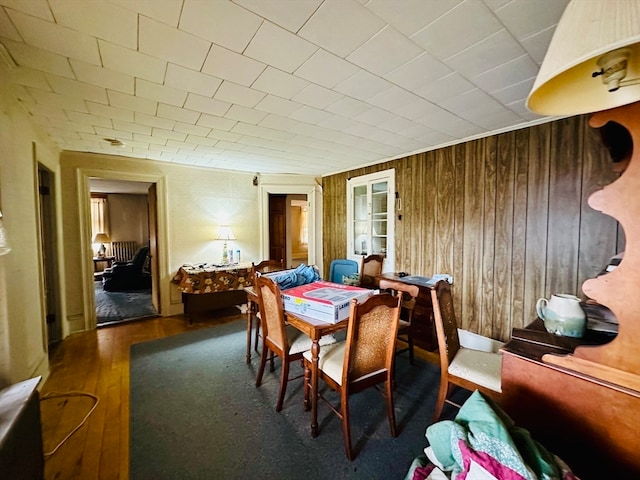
point(123, 251)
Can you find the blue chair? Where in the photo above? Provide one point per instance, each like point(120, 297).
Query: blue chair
point(342, 267)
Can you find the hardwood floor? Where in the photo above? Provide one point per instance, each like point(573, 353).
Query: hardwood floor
point(97, 363)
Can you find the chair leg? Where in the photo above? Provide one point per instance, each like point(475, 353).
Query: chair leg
point(257, 334)
point(263, 362)
point(443, 392)
point(346, 430)
point(283, 384)
point(410, 341)
point(390, 410)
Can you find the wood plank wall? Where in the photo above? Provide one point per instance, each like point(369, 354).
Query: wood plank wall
point(506, 215)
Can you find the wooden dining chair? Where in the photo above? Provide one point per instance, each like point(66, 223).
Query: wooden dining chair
point(365, 359)
point(370, 268)
point(279, 339)
point(409, 295)
point(265, 266)
point(460, 366)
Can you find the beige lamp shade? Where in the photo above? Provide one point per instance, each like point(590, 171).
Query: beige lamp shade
point(225, 233)
point(101, 238)
point(587, 31)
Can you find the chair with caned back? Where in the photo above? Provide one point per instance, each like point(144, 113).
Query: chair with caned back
point(460, 366)
point(370, 268)
point(278, 338)
point(409, 295)
point(265, 266)
point(364, 360)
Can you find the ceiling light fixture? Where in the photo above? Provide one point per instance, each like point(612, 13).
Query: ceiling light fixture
point(591, 40)
point(114, 142)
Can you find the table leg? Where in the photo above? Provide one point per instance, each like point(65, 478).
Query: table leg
point(315, 353)
point(249, 323)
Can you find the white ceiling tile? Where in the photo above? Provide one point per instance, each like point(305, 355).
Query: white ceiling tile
point(278, 122)
point(481, 105)
point(55, 38)
point(99, 19)
point(375, 116)
point(385, 51)
point(202, 141)
point(120, 59)
point(524, 18)
point(112, 133)
point(483, 56)
point(310, 115)
point(131, 102)
point(363, 85)
point(88, 119)
point(85, 72)
point(292, 17)
point(49, 111)
point(151, 121)
point(192, 81)
point(276, 46)
point(277, 105)
point(29, 78)
point(169, 134)
point(261, 132)
point(74, 88)
point(56, 100)
point(445, 88)
point(418, 72)
point(166, 11)
point(348, 107)
point(220, 22)
point(35, 8)
point(150, 139)
point(317, 96)
point(341, 26)
point(513, 93)
point(466, 24)
point(507, 74)
point(338, 122)
point(326, 69)
point(393, 99)
point(279, 83)
point(216, 122)
point(110, 112)
point(7, 30)
point(536, 45)
point(38, 59)
point(410, 16)
point(206, 105)
point(234, 93)
point(160, 93)
point(179, 114)
point(167, 43)
point(244, 114)
point(228, 65)
point(131, 127)
point(192, 129)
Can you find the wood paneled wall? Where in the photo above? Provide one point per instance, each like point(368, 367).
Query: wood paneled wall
point(506, 215)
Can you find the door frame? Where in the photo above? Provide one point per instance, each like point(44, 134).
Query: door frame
point(84, 201)
point(314, 197)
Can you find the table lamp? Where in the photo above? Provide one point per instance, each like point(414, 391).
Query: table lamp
point(225, 233)
point(102, 238)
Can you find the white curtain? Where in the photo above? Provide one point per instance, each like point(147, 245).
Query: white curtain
point(99, 217)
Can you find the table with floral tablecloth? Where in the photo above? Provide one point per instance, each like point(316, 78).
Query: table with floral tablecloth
point(206, 286)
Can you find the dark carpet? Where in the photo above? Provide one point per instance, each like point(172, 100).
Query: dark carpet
point(119, 306)
point(196, 414)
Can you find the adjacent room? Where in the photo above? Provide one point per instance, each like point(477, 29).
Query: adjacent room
point(323, 239)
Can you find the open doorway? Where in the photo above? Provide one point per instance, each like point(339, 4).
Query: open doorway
point(123, 232)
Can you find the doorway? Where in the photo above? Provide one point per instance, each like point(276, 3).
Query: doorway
point(123, 272)
point(48, 246)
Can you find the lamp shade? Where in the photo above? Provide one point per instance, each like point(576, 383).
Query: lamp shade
point(225, 233)
point(587, 30)
point(101, 238)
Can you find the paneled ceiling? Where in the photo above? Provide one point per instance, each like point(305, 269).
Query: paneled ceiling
point(274, 86)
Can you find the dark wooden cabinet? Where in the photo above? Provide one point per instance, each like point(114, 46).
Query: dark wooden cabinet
point(424, 333)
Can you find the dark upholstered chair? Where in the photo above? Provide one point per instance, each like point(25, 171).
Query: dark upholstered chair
point(129, 275)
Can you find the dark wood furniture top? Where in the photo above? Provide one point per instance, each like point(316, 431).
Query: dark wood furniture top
point(423, 328)
point(589, 422)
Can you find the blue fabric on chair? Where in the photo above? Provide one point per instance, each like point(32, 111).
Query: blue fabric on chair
point(342, 267)
point(302, 275)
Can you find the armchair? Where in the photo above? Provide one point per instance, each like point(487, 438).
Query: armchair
point(128, 275)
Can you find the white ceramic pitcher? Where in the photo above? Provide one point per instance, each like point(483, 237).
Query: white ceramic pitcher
point(562, 315)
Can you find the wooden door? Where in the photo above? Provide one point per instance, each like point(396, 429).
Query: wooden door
point(278, 228)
